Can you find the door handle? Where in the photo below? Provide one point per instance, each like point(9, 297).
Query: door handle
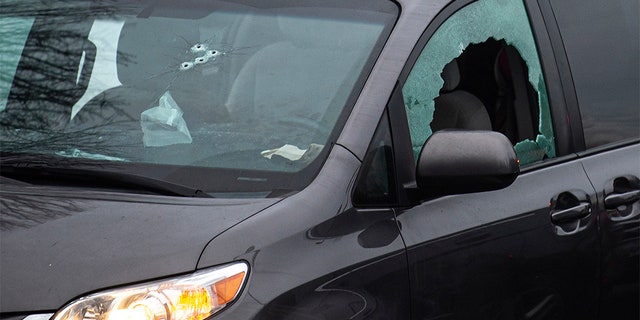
point(571, 212)
point(615, 200)
point(580, 211)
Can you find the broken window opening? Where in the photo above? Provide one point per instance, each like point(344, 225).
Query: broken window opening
point(491, 45)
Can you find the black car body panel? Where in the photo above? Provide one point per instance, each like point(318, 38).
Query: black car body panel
point(503, 255)
point(341, 261)
point(617, 185)
point(58, 245)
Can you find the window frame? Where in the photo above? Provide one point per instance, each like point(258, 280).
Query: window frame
point(547, 20)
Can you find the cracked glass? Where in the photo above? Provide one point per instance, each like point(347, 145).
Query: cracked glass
point(485, 26)
point(189, 85)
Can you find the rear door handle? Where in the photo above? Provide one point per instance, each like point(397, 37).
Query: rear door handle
point(615, 200)
point(571, 212)
point(577, 212)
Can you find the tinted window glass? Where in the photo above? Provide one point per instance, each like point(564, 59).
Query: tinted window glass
point(375, 183)
point(601, 41)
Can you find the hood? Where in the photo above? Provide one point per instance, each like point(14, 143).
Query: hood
point(58, 245)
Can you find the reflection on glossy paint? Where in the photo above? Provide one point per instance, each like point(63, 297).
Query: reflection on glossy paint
point(17, 211)
point(377, 228)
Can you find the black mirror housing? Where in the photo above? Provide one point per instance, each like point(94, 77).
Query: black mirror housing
point(455, 161)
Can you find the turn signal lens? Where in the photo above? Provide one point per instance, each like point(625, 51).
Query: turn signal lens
point(192, 297)
point(226, 289)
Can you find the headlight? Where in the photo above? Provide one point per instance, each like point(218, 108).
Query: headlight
point(191, 297)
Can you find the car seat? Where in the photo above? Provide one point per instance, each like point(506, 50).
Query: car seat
point(458, 109)
point(296, 81)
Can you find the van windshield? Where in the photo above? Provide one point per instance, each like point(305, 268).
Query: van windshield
point(232, 96)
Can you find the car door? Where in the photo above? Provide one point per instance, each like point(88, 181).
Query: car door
point(614, 173)
point(601, 42)
point(528, 251)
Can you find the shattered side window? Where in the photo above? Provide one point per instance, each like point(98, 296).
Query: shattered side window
point(476, 40)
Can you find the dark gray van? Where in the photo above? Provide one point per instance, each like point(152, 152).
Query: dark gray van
point(319, 159)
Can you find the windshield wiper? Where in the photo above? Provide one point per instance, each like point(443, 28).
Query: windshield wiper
point(43, 174)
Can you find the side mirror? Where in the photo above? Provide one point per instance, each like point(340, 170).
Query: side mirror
point(453, 162)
